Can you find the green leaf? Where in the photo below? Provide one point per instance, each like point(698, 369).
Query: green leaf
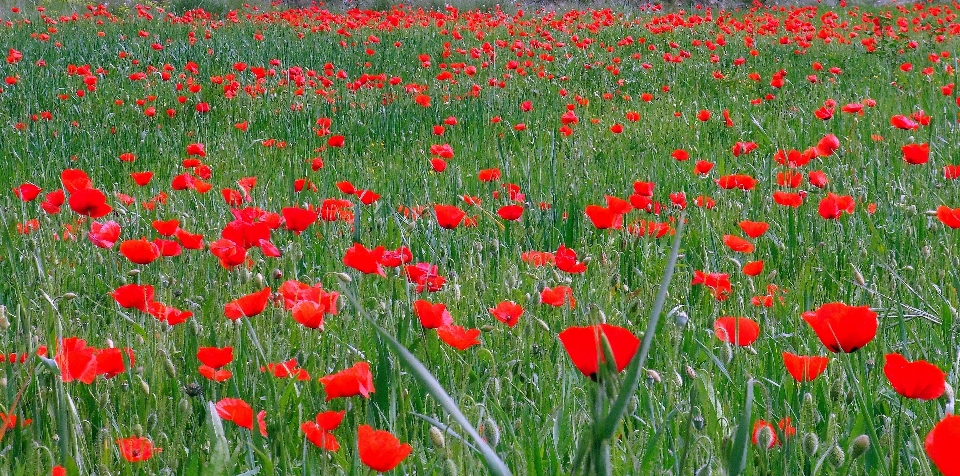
point(741, 441)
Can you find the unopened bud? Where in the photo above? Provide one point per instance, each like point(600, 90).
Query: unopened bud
point(765, 437)
point(69, 296)
point(450, 468)
point(691, 373)
point(653, 376)
point(437, 438)
point(810, 443)
point(277, 273)
point(136, 429)
point(858, 277)
point(836, 458)
point(144, 387)
point(343, 277)
point(948, 395)
point(490, 432)
point(859, 446)
point(4, 321)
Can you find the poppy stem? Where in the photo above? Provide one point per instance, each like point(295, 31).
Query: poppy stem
point(896, 438)
point(865, 408)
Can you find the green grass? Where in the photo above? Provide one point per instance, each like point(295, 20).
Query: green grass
point(684, 416)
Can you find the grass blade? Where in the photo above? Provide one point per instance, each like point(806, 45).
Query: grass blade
point(493, 462)
point(741, 441)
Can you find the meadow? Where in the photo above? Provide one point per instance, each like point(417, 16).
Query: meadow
point(303, 241)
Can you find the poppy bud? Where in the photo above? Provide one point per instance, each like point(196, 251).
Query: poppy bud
point(653, 377)
point(69, 296)
point(168, 365)
point(343, 277)
point(136, 429)
point(259, 279)
point(192, 389)
point(836, 389)
point(490, 432)
point(450, 468)
point(486, 328)
point(858, 277)
point(184, 406)
point(836, 457)
point(764, 437)
point(277, 273)
point(691, 373)
point(4, 321)
point(859, 446)
point(810, 443)
point(437, 438)
point(133, 272)
point(144, 386)
point(3, 382)
point(151, 422)
point(699, 423)
point(948, 395)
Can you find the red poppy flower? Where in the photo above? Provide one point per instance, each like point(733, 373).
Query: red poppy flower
point(367, 197)
point(217, 375)
point(558, 296)
point(168, 314)
point(841, 327)
point(425, 276)
point(739, 331)
point(76, 361)
point(719, 283)
point(237, 411)
point(432, 315)
point(196, 149)
point(603, 217)
point(916, 153)
point(356, 380)
point(53, 201)
point(366, 261)
point(754, 229)
point(458, 337)
point(566, 261)
point(903, 122)
point(827, 145)
point(319, 436)
point(247, 306)
point(949, 216)
point(758, 427)
point(166, 228)
point(804, 368)
point(510, 212)
point(397, 257)
point(951, 172)
point(448, 216)
point(379, 449)
point(90, 202)
point(74, 180)
point(794, 158)
point(919, 379)
point(438, 165)
point(167, 248)
point(215, 357)
point(297, 219)
point(942, 443)
point(489, 175)
point(140, 251)
point(702, 167)
point(735, 243)
point(287, 369)
point(309, 314)
point(134, 296)
point(753, 268)
point(507, 312)
point(584, 347)
point(832, 206)
point(136, 448)
point(330, 420)
point(27, 192)
point(741, 181)
point(680, 155)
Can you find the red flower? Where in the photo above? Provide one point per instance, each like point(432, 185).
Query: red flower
point(753, 268)
point(916, 153)
point(247, 306)
point(458, 337)
point(604, 217)
point(566, 260)
point(759, 426)
point(735, 243)
point(366, 261)
point(237, 411)
point(754, 229)
point(166, 228)
point(507, 312)
point(719, 283)
point(76, 361)
point(841, 327)
point(804, 368)
point(832, 206)
point(90, 202)
point(168, 314)
point(356, 380)
point(297, 219)
point(319, 436)
point(488, 175)
point(584, 347)
point(448, 216)
point(27, 192)
point(739, 331)
point(215, 357)
point(136, 448)
point(196, 149)
point(397, 257)
point(558, 296)
point(217, 375)
point(827, 145)
point(919, 379)
point(140, 251)
point(741, 181)
point(74, 180)
point(379, 449)
point(110, 361)
point(310, 313)
point(510, 212)
point(903, 122)
point(134, 296)
point(432, 315)
point(949, 216)
point(942, 443)
point(788, 199)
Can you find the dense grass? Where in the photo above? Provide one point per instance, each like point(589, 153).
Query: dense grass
point(900, 259)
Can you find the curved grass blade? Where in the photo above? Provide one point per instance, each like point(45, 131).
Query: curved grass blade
point(631, 382)
point(741, 441)
point(493, 462)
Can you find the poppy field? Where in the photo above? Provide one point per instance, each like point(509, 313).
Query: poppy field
point(312, 241)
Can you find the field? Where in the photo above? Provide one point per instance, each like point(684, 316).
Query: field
point(302, 242)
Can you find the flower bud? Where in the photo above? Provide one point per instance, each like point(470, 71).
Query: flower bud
point(765, 437)
point(810, 443)
point(490, 432)
point(450, 468)
point(859, 446)
point(69, 296)
point(437, 438)
point(836, 458)
point(653, 377)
